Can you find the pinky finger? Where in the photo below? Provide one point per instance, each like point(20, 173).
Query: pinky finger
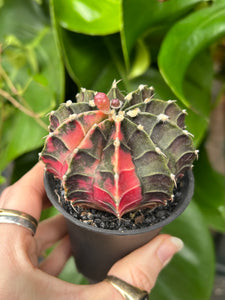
point(56, 260)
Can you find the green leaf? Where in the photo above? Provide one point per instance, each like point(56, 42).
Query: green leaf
point(186, 276)
point(2, 3)
point(198, 82)
point(197, 125)
point(23, 164)
point(91, 61)
point(2, 180)
point(197, 88)
point(38, 77)
point(184, 41)
point(142, 15)
point(48, 213)
point(70, 273)
point(89, 17)
point(83, 65)
point(95, 69)
point(21, 134)
point(210, 192)
point(153, 78)
point(25, 67)
point(141, 60)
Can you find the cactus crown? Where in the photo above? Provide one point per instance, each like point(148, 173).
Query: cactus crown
point(118, 153)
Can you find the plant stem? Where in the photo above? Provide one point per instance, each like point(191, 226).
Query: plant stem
point(37, 40)
point(8, 81)
point(13, 101)
point(26, 111)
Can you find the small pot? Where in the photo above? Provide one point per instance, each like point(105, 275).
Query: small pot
point(95, 250)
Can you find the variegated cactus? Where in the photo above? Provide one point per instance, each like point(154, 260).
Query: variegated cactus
point(118, 153)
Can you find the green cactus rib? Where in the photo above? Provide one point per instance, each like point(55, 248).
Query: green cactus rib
point(122, 160)
point(151, 166)
point(64, 111)
point(166, 135)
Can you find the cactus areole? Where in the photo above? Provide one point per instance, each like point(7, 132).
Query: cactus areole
point(118, 153)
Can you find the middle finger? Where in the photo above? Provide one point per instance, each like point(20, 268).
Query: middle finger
point(49, 232)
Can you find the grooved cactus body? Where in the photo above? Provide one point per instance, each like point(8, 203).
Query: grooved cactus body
point(118, 153)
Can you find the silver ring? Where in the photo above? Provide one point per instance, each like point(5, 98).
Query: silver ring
point(11, 216)
point(128, 291)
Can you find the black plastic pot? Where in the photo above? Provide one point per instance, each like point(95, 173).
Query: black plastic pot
point(95, 250)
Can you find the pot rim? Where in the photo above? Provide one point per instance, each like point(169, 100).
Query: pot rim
point(53, 197)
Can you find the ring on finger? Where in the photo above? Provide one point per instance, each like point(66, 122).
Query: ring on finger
point(128, 291)
point(11, 216)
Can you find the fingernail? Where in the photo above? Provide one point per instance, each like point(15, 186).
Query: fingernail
point(168, 248)
point(177, 242)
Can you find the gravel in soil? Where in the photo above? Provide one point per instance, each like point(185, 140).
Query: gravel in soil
point(132, 220)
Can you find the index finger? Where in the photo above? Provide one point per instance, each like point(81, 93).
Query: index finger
point(27, 194)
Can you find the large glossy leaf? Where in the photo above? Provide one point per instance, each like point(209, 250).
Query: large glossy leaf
point(198, 82)
point(83, 65)
point(92, 61)
point(147, 15)
point(20, 134)
point(104, 63)
point(89, 17)
point(184, 41)
point(190, 274)
point(197, 87)
point(23, 164)
point(32, 62)
point(141, 61)
point(85, 56)
point(210, 192)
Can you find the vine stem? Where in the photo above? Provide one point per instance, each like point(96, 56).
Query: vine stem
point(26, 111)
point(13, 101)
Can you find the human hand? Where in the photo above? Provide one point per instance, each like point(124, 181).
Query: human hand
point(21, 276)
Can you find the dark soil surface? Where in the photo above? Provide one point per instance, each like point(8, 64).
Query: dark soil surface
point(132, 220)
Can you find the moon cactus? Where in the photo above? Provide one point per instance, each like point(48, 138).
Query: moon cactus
point(118, 153)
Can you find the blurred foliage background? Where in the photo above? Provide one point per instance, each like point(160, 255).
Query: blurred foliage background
point(49, 49)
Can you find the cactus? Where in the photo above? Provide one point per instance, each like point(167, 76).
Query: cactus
point(118, 153)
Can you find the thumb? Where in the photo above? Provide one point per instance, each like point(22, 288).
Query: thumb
point(141, 267)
